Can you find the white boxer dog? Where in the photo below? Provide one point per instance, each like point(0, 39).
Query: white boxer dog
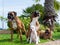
point(34, 37)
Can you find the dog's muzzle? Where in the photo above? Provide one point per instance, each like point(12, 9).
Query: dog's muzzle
point(10, 17)
point(47, 32)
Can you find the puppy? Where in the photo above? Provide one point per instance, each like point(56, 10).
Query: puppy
point(15, 23)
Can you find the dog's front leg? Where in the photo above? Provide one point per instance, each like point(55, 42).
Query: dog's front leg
point(20, 35)
point(37, 38)
point(30, 40)
point(11, 35)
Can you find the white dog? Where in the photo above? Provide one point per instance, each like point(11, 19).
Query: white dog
point(34, 37)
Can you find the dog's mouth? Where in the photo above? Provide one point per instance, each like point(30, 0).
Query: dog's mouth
point(10, 17)
point(47, 32)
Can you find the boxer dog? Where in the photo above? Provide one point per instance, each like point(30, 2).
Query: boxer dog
point(15, 23)
point(33, 28)
point(47, 34)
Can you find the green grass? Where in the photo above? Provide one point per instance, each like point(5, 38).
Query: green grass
point(5, 39)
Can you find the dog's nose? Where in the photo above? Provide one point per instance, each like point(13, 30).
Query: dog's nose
point(9, 17)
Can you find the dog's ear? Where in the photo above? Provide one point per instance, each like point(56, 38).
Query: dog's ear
point(36, 13)
point(14, 13)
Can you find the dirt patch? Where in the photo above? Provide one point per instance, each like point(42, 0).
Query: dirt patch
point(56, 42)
point(5, 31)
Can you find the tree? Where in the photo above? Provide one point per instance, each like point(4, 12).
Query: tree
point(56, 4)
point(34, 7)
point(49, 12)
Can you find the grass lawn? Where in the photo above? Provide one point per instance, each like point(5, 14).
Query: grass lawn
point(5, 39)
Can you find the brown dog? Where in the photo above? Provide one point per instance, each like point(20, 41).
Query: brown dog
point(47, 34)
point(15, 23)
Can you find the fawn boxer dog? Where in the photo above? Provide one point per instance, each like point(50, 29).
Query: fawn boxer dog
point(15, 23)
point(32, 33)
point(46, 34)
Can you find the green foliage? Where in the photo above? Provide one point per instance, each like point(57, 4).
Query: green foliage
point(2, 18)
point(57, 27)
point(37, 0)
point(56, 5)
point(42, 27)
point(33, 8)
point(26, 21)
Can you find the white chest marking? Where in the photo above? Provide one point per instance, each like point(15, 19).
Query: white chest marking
point(14, 24)
point(33, 23)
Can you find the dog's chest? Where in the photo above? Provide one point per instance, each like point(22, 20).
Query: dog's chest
point(34, 20)
point(33, 23)
point(14, 25)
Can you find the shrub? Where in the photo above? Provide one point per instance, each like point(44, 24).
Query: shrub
point(26, 21)
point(57, 29)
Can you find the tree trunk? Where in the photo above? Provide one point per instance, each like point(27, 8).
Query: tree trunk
point(49, 13)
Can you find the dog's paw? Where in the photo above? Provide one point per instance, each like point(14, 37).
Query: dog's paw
point(36, 43)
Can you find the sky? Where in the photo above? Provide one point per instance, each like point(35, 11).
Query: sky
point(16, 5)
